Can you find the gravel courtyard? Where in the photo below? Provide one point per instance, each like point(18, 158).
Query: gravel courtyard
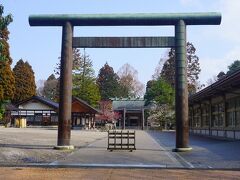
point(35, 145)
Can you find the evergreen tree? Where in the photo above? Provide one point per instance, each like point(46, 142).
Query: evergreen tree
point(168, 69)
point(4, 33)
point(160, 92)
point(193, 68)
point(24, 81)
point(233, 67)
point(6, 75)
point(82, 64)
point(84, 81)
point(7, 81)
point(160, 95)
point(221, 75)
point(88, 91)
point(108, 82)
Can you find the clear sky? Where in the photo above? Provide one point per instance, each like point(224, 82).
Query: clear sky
point(217, 46)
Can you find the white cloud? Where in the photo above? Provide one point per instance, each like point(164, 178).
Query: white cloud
point(230, 27)
point(212, 66)
point(227, 34)
point(234, 54)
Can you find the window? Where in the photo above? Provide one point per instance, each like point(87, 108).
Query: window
point(214, 115)
point(196, 117)
point(205, 115)
point(231, 113)
point(230, 118)
point(238, 103)
point(190, 117)
point(220, 119)
point(218, 115)
point(237, 122)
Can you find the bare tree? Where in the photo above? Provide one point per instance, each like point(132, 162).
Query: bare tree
point(211, 80)
point(40, 86)
point(131, 86)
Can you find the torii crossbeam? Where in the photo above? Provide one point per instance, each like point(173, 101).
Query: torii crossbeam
point(179, 20)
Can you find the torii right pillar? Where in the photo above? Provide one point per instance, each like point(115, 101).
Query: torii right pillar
point(181, 88)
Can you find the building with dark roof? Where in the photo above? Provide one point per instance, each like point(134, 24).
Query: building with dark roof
point(42, 100)
point(36, 110)
point(42, 111)
point(131, 111)
point(215, 110)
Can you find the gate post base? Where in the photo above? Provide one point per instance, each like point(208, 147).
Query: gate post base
point(182, 149)
point(70, 147)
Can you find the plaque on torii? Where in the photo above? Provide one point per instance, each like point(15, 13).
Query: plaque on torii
point(178, 20)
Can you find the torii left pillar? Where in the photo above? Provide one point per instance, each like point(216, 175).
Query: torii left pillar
point(65, 104)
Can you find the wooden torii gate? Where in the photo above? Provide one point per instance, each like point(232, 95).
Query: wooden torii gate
point(179, 20)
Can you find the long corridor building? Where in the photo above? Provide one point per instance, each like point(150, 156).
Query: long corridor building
point(215, 110)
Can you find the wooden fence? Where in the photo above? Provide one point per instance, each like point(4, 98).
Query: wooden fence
point(121, 140)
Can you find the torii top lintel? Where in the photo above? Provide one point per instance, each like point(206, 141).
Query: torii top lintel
point(156, 19)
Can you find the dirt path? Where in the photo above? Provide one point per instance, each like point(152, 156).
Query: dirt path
point(118, 174)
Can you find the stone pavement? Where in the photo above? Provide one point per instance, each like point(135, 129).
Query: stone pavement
point(206, 153)
point(23, 146)
point(34, 147)
point(148, 153)
point(153, 158)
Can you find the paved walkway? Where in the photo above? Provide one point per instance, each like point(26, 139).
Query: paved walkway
point(206, 153)
point(153, 150)
point(28, 146)
point(148, 153)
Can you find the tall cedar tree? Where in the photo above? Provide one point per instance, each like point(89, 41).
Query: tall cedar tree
point(108, 82)
point(82, 64)
point(50, 88)
point(7, 81)
point(193, 68)
point(24, 81)
point(84, 82)
point(6, 75)
point(149, 86)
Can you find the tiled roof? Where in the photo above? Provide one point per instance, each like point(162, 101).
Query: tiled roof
point(43, 100)
point(128, 103)
point(86, 104)
point(226, 84)
point(55, 105)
